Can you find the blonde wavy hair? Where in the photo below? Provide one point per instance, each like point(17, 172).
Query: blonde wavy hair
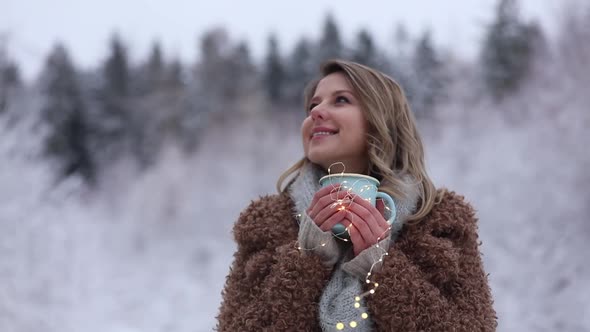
point(394, 144)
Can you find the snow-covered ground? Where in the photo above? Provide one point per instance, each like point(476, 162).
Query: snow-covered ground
point(150, 251)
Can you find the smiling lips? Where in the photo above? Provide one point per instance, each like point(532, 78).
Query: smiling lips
point(320, 132)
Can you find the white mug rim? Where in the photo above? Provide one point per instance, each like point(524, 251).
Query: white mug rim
point(356, 175)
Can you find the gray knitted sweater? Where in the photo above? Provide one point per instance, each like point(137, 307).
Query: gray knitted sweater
point(338, 298)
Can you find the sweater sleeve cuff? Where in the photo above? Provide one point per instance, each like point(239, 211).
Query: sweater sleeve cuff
point(368, 260)
point(313, 240)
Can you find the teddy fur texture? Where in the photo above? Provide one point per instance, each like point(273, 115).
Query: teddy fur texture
point(432, 279)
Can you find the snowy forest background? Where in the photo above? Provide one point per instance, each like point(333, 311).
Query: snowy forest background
point(119, 185)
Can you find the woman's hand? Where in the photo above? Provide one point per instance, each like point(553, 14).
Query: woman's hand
point(365, 224)
point(328, 207)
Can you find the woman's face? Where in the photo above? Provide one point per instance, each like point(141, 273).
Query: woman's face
point(335, 128)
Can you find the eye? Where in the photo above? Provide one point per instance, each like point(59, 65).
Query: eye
point(311, 106)
point(341, 99)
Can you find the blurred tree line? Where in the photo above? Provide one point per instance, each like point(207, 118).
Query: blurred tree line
point(93, 117)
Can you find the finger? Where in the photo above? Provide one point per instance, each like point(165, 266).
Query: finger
point(372, 228)
point(345, 221)
point(366, 231)
point(333, 220)
point(321, 193)
point(328, 191)
point(378, 214)
point(327, 200)
point(358, 244)
point(385, 234)
point(378, 226)
point(384, 211)
point(380, 206)
point(366, 204)
point(333, 206)
point(335, 201)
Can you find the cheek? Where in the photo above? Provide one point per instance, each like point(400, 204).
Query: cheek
point(361, 144)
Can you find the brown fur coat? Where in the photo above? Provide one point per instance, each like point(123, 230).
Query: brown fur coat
point(432, 279)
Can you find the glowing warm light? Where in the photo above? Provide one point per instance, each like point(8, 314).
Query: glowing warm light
point(357, 298)
point(340, 326)
point(364, 315)
point(357, 305)
point(372, 291)
point(353, 324)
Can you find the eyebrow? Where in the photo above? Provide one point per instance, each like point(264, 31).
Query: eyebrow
point(337, 92)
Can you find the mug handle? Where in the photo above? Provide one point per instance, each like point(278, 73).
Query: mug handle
point(388, 201)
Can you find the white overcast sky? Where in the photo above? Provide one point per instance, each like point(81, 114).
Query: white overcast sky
point(30, 27)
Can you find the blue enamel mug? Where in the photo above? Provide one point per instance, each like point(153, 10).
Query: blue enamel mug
point(360, 185)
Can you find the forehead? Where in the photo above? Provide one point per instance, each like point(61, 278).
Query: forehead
point(333, 82)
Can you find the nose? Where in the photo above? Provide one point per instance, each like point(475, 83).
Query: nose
point(319, 113)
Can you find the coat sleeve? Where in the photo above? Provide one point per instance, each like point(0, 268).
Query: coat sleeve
point(271, 285)
point(433, 277)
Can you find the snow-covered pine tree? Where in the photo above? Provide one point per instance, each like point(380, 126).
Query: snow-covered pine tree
point(507, 51)
point(10, 80)
point(63, 112)
point(365, 50)
point(301, 69)
point(274, 72)
point(429, 77)
point(110, 124)
point(330, 44)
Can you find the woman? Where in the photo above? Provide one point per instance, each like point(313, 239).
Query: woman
point(291, 274)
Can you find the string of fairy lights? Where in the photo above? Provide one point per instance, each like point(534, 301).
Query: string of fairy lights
point(344, 204)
